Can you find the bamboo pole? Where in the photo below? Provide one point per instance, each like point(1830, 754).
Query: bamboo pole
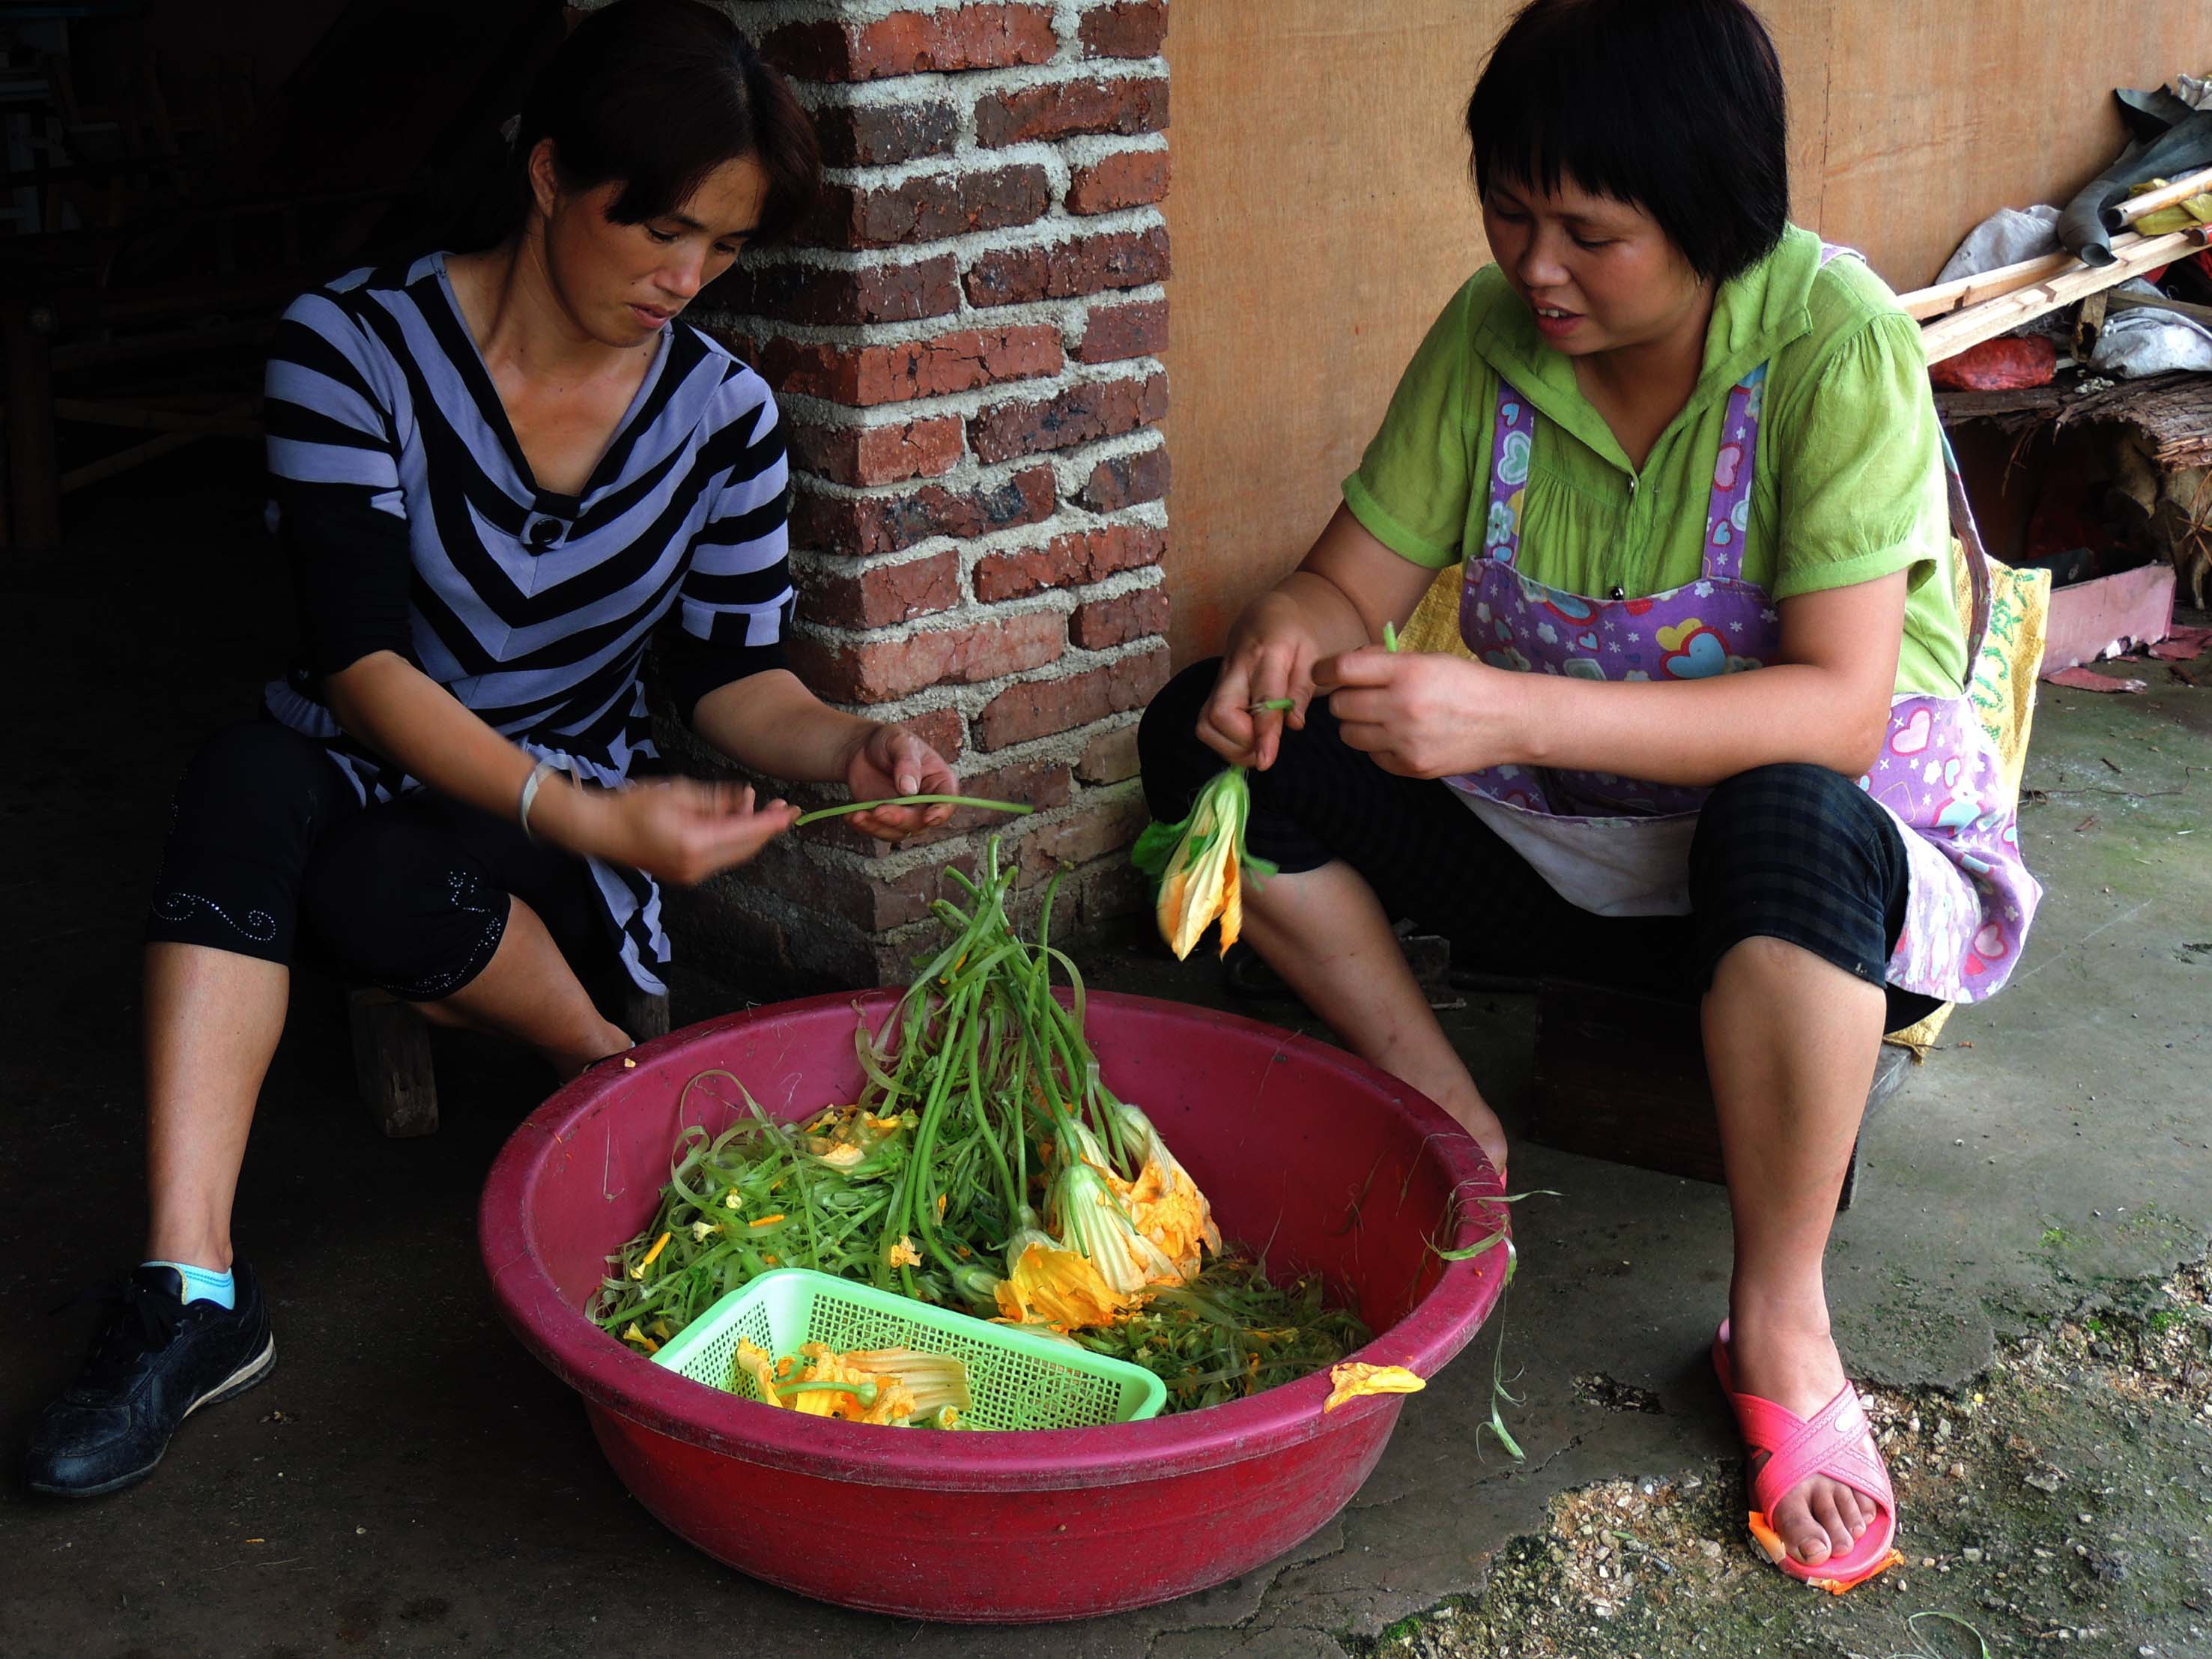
point(2136, 207)
point(1955, 333)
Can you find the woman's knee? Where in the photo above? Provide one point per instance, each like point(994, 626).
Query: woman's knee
point(1799, 854)
point(391, 902)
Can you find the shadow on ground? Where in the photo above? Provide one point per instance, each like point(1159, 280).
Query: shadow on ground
point(411, 1483)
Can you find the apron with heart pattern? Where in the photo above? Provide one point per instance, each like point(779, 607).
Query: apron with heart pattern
point(1619, 846)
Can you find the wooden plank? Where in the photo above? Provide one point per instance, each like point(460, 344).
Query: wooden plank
point(1948, 336)
point(1622, 1077)
point(392, 1065)
point(1924, 303)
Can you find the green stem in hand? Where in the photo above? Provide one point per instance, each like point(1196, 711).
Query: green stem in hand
point(1390, 643)
point(1274, 703)
point(1014, 807)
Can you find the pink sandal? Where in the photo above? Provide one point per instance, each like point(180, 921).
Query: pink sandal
point(1837, 1442)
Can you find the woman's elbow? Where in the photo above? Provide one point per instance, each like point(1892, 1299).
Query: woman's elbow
point(1858, 744)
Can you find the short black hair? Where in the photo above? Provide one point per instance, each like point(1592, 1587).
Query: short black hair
point(1675, 107)
point(656, 95)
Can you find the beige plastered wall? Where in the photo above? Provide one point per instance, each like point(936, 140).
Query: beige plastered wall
point(1321, 214)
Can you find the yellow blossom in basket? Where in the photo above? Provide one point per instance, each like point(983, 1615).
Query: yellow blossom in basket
point(1200, 863)
point(755, 1364)
point(903, 1254)
point(1048, 1285)
point(1351, 1379)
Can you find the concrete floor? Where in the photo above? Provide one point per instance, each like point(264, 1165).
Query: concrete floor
point(412, 1482)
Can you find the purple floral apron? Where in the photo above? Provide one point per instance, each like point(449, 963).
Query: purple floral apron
point(1620, 846)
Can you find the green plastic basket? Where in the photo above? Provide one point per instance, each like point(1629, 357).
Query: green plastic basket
point(1016, 1379)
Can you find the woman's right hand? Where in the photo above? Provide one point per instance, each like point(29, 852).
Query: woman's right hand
point(1270, 655)
point(680, 830)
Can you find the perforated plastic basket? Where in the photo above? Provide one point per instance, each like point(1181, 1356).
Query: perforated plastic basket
point(1018, 1380)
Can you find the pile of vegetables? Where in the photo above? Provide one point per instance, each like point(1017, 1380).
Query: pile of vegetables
point(985, 1167)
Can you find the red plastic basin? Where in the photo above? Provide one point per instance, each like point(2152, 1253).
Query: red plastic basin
point(1328, 1162)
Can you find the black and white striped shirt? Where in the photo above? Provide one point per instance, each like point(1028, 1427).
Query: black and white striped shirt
point(413, 524)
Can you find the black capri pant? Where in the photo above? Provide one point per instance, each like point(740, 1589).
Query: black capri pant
point(272, 854)
point(1795, 853)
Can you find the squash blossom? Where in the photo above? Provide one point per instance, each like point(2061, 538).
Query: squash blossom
point(1090, 1221)
point(1200, 863)
point(1047, 1285)
point(1164, 1202)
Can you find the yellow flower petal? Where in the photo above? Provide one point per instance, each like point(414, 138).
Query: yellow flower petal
point(755, 1364)
point(903, 1254)
point(1352, 1379)
point(1056, 1287)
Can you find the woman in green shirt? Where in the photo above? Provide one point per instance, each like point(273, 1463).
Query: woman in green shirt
point(1670, 439)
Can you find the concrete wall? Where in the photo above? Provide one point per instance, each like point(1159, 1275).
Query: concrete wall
point(1322, 212)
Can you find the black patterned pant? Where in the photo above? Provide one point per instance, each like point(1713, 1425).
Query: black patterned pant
point(1795, 853)
point(272, 854)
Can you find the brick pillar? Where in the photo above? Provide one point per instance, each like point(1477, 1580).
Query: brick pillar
point(965, 355)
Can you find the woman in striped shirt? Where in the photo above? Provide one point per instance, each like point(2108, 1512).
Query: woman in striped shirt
point(497, 476)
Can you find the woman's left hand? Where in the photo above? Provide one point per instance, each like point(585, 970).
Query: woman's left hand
point(1423, 715)
point(890, 760)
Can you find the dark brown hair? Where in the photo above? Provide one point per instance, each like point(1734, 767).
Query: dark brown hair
point(656, 95)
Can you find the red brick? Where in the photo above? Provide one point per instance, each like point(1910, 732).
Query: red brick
point(871, 902)
point(931, 207)
point(1136, 329)
point(1066, 109)
point(1080, 415)
point(1038, 708)
point(1110, 756)
point(1042, 785)
point(1136, 30)
point(890, 453)
point(882, 135)
point(1129, 180)
point(1126, 480)
point(895, 371)
point(914, 43)
point(882, 594)
point(1088, 555)
point(1060, 270)
point(861, 670)
point(886, 293)
point(890, 523)
point(1105, 823)
point(1104, 623)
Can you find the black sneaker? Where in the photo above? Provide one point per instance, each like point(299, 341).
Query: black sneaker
point(157, 1361)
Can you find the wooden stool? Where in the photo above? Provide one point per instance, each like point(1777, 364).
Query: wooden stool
point(392, 1051)
point(1622, 1077)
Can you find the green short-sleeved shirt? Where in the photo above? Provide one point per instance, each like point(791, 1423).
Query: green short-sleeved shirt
point(1849, 484)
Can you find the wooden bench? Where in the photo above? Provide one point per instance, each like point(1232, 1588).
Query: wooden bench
point(1622, 1077)
point(391, 1052)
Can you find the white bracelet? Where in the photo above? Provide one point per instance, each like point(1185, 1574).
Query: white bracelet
point(537, 774)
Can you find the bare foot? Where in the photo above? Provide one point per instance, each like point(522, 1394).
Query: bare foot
point(1800, 1371)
